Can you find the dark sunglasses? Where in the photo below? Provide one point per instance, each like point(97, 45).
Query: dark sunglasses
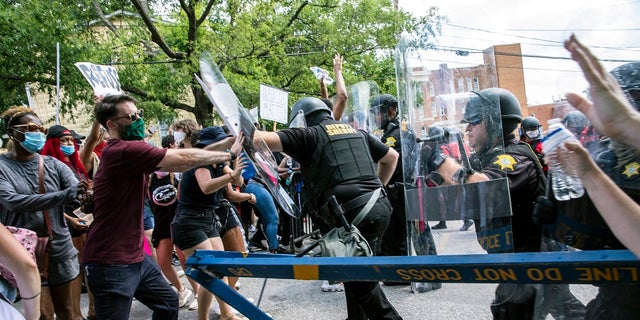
point(132, 116)
point(474, 122)
point(29, 127)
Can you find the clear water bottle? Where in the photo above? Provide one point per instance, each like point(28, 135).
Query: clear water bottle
point(565, 185)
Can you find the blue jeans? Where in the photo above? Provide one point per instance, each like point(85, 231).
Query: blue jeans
point(114, 286)
point(266, 211)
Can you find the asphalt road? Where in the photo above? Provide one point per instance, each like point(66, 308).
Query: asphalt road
point(302, 300)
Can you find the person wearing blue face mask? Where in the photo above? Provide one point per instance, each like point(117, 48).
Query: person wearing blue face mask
point(32, 187)
point(61, 145)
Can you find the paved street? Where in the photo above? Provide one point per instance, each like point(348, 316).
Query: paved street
point(304, 300)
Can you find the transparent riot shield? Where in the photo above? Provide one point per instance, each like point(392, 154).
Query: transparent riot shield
point(238, 120)
point(442, 113)
point(356, 111)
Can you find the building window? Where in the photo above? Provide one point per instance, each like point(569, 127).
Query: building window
point(470, 84)
point(434, 110)
point(460, 85)
point(432, 92)
point(476, 84)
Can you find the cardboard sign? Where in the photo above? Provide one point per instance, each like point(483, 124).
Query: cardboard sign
point(103, 79)
point(274, 104)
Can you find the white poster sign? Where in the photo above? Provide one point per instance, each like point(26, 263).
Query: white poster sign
point(103, 79)
point(254, 114)
point(274, 104)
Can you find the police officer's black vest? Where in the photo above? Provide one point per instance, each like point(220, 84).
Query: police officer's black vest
point(342, 154)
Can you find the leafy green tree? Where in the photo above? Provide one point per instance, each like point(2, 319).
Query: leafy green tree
point(156, 50)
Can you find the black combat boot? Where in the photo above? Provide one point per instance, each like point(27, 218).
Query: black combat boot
point(440, 225)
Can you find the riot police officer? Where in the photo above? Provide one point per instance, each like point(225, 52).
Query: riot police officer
point(531, 133)
point(338, 160)
point(384, 108)
point(575, 121)
point(492, 115)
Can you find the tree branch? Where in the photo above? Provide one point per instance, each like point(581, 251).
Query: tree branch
point(155, 35)
point(103, 18)
point(169, 103)
point(205, 13)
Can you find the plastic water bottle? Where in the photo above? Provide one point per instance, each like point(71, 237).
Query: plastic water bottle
point(321, 73)
point(565, 185)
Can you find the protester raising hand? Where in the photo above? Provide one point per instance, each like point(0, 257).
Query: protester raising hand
point(620, 212)
point(610, 112)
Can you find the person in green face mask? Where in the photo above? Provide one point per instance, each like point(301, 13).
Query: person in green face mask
point(113, 257)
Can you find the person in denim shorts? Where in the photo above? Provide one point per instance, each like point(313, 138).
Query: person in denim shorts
point(203, 214)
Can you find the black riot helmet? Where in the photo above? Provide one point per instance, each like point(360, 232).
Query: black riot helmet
point(530, 122)
point(379, 106)
point(575, 121)
point(313, 109)
point(436, 134)
point(628, 77)
point(382, 102)
point(483, 106)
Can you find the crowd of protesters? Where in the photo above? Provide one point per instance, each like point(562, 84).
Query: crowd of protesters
point(117, 210)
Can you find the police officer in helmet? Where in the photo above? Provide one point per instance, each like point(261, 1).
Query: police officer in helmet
point(492, 115)
point(384, 109)
point(531, 133)
point(338, 160)
point(531, 129)
point(575, 121)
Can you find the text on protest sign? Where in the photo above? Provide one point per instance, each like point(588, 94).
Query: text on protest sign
point(274, 104)
point(103, 79)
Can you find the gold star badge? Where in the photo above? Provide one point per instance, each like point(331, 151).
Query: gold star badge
point(391, 142)
point(631, 169)
point(505, 161)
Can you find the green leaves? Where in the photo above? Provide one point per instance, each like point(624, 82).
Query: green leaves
point(254, 42)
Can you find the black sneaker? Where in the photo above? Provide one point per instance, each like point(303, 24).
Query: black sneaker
point(467, 224)
point(256, 245)
point(440, 225)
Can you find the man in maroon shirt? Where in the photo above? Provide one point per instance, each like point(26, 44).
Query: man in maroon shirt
point(113, 257)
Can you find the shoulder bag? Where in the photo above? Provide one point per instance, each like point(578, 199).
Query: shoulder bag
point(43, 247)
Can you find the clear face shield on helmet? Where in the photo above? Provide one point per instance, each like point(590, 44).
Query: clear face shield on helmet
point(377, 119)
point(431, 95)
point(298, 121)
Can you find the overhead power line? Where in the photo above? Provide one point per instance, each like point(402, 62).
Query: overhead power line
point(459, 49)
point(531, 38)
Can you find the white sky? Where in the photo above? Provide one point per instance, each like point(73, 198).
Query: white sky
point(541, 27)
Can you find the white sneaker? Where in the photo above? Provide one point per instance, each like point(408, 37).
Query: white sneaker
point(194, 304)
point(326, 287)
point(184, 297)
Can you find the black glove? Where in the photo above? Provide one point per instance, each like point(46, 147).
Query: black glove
point(544, 211)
